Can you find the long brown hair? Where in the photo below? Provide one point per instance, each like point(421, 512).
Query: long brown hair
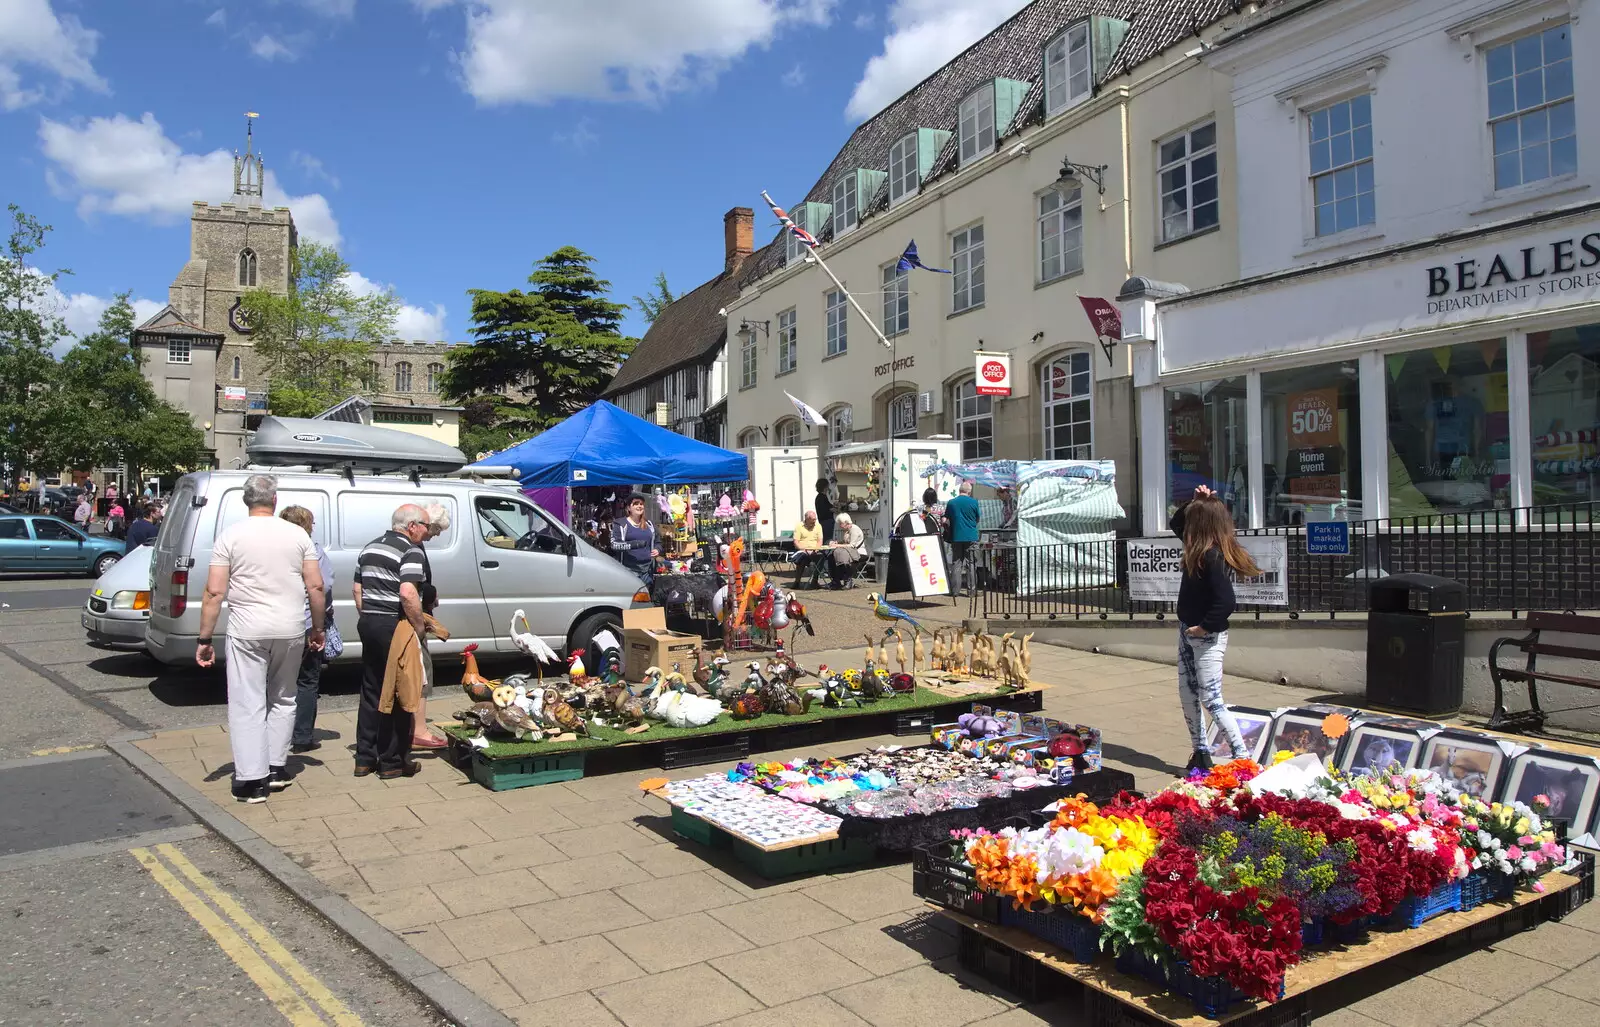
point(1207, 524)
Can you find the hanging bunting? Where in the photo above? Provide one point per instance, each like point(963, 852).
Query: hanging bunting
point(1441, 356)
point(1491, 351)
point(1397, 363)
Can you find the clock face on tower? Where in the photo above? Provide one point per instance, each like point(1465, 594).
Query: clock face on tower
point(238, 319)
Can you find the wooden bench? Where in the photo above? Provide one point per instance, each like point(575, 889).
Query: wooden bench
point(1533, 718)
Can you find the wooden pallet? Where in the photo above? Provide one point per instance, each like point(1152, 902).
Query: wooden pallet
point(1112, 998)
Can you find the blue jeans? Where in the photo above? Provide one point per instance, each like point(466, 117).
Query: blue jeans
point(307, 688)
point(1200, 686)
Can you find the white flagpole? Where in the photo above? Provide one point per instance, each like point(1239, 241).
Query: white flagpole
point(812, 252)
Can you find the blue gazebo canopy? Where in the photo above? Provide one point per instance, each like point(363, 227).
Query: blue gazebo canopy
point(605, 445)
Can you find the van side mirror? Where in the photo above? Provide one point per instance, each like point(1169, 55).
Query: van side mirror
point(569, 544)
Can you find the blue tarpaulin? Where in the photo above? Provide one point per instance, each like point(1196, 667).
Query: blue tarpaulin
point(605, 445)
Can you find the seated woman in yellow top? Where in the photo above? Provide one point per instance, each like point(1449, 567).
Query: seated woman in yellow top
point(808, 545)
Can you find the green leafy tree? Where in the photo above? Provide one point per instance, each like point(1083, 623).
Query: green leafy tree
point(540, 355)
point(658, 299)
point(483, 427)
point(109, 413)
point(28, 330)
point(318, 338)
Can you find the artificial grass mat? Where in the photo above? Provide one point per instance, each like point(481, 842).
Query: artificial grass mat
point(605, 737)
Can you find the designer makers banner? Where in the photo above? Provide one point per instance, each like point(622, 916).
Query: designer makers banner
point(1155, 570)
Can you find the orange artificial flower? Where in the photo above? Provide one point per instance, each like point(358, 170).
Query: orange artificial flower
point(1073, 812)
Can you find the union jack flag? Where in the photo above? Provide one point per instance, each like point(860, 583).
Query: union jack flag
point(805, 237)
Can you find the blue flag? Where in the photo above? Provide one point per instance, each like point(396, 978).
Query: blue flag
point(909, 260)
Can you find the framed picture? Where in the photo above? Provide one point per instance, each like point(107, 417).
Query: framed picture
point(1300, 731)
point(1467, 760)
point(1376, 746)
point(1254, 725)
point(1567, 780)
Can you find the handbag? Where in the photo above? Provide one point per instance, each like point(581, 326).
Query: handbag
point(333, 642)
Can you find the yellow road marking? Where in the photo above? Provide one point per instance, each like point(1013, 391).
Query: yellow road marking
point(277, 990)
point(269, 945)
point(61, 749)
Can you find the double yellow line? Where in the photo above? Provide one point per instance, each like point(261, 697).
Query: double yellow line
point(307, 1007)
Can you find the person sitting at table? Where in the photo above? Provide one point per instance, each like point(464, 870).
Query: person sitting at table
point(849, 551)
point(807, 548)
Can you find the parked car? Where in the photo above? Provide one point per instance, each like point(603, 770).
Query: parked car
point(118, 608)
point(7, 509)
point(502, 553)
point(49, 545)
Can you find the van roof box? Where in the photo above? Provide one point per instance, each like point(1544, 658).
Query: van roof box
point(323, 445)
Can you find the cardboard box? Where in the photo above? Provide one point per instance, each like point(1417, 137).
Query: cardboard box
point(647, 643)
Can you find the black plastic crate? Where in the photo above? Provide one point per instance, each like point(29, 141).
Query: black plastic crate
point(1005, 967)
point(920, 722)
point(951, 883)
point(1559, 905)
point(699, 752)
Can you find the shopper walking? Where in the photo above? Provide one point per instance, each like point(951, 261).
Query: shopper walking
point(308, 680)
point(1205, 602)
point(390, 573)
point(267, 570)
point(962, 513)
point(84, 514)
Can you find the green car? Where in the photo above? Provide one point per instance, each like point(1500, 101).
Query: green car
point(49, 545)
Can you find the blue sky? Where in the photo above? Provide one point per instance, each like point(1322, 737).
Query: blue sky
point(443, 144)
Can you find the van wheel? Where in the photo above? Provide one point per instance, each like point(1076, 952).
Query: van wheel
point(582, 639)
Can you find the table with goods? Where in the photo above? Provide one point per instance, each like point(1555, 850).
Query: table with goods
point(1236, 892)
point(815, 814)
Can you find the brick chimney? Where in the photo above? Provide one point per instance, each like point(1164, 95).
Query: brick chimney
point(738, 233)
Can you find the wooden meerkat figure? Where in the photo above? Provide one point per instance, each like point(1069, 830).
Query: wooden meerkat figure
point(900, 651)
point(938, 659)
point(919, 660)
point(960, 652)
point(1026, 656)
point(866, 657)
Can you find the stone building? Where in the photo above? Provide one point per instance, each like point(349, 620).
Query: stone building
point(197, 350)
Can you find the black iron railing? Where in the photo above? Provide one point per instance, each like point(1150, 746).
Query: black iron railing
point(1534, 558)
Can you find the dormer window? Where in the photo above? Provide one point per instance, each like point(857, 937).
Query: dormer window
point(813, 217)
point(844, 204)
point(977, 123)
point(904, 176)
point(1067, 77)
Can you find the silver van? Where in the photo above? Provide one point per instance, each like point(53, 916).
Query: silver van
point(502, 553)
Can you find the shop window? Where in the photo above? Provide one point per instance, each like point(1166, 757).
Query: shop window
point(1342, 194)
point(1187, 178)
point(1206, 444)
point(1564, 407)
point(974, 421)
point(1531, 114)
point(1311, 443)
point(1449, 433)
point(1066, 385)
point(903, 416)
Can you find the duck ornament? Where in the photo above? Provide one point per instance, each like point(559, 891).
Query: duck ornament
point(678, 707)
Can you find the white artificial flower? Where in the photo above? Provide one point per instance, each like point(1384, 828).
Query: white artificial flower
point(1421, 840)
point(1527, 864)
point(1066, 853)
point(1485, 840)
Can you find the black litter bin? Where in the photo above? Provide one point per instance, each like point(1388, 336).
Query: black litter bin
point(1416, 643)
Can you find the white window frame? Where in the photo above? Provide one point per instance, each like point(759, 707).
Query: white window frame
point(1354, 165)
point(748, 363)
point(846, 192)
point(905, 171)
point(750, 438)
point(793, 249)
point(840, 430)
point(179, 350)
point(896, 300)
point(1187, 162)
point(1068, 69)
point(1055, 210)
point(966, 267)
point(975, 124)
point(1510, 38)
point(835, 309)
point(788, 342)
point(787, 433)
point(969, 408)
point(1048, 404)
point(903, 416)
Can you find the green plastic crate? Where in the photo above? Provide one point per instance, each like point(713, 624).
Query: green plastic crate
point(524, 771)
point(805, 859)
point(687, 825)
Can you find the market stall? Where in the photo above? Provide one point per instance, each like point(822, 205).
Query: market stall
point(875, 482)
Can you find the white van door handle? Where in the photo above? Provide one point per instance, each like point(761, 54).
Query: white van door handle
point(491, 564)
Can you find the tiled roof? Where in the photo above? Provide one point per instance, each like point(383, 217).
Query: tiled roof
point(1014, 51)
point(687, 330)
point(167, 321)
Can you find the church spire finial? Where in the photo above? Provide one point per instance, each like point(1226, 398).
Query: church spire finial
point(248, 171)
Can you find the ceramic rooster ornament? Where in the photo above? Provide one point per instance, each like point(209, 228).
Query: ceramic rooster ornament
point(576, 671)
point(478, 688)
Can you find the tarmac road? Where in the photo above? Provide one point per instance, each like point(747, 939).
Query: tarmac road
point(118, 907)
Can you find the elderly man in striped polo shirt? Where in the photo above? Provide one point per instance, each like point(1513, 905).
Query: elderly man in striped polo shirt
point(389, 576)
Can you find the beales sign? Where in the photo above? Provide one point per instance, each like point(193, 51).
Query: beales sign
point(1562, 265)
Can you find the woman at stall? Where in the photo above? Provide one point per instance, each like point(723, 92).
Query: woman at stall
point(633, 540)
point(849, 551)
point(1205, 602)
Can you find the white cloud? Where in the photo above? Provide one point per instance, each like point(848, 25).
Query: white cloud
point(924, 35)
point(536, 51)
point(410, 322)
point(580, 138)
point(81, 311)
point(795, 76)
point(331, 8)
point(32, 34)
point(313, 167)
point(130, 168)
point(269, 49)
point(218, 19)
point(864, 20)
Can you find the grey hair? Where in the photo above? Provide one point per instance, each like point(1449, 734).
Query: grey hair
point(406, 515)
point(966, 488)
point(843, 519)
point(438, 517)
point(261, 490)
